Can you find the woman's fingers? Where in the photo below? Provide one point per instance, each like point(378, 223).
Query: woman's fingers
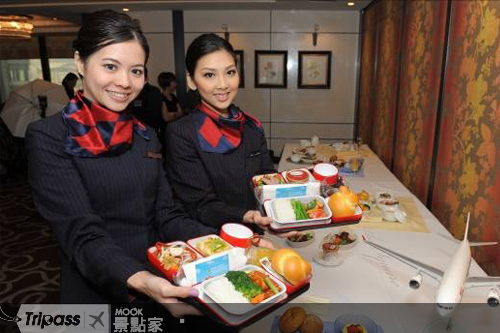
point(266, 243)
point(262, 221)
point(180, 292)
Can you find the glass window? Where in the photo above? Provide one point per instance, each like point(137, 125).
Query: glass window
point(17, 72)
point(19, 64)
point(60, 67)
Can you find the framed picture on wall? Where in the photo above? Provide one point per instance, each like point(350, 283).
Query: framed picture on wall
point(270, 69)
point(314, 69)
point(240, 64)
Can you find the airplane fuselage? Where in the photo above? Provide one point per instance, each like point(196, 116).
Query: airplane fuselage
point(451, 288)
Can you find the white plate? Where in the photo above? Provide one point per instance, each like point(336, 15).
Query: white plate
point(243, 308)
point(341, 255)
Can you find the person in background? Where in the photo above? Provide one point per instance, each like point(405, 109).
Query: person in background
point(148, 106)
point(69, 83)
point(97, 179)
point(213, 152)
point(168, 85)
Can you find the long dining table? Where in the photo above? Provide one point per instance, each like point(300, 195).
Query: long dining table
point(374, 284)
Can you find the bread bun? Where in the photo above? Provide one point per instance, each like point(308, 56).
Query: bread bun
point(343, 203)
point(312, 324)
point(291, 320)
point(291, 265)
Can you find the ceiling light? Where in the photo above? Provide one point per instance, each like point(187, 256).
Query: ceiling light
point(350, 3)
point(15, 26)
point(126, 9)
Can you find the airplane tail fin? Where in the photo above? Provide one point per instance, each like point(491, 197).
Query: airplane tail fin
point(475, 243)
point(467, 227)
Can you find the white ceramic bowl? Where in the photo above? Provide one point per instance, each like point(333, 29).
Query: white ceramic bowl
point(295, 158)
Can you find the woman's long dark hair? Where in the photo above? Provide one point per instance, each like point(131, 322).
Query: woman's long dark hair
point(107, 27)
point(201, 46)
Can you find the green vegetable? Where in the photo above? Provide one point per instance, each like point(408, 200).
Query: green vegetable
point(243, 284)
point(300, 212)
point(311, 205)
point(217, 244)
point(271, 285)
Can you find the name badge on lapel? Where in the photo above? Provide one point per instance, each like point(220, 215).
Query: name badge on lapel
point(254, 154)
point(150, 154)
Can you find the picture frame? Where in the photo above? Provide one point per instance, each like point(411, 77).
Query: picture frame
point(270, 69)
point(240, 65)
point(314, 69)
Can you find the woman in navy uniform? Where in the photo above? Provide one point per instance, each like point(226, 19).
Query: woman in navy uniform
point(213, 152)
point(97, 175)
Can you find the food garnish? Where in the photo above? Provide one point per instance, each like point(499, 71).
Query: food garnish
point(254, 286)
point(354, 328)
point(301, 237)
point(269, 179)
point(173, 256)
point(294, 210)
point(212, 245)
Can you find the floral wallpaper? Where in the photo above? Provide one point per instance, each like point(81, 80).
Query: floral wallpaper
point(386, 82)
point(368, 43)
point(468, 164)
point(420, 79)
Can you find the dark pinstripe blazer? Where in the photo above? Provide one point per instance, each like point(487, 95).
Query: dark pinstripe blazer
point(105, 211)
point(214, 188)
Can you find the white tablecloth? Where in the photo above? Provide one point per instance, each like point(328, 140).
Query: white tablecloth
point(368, 276)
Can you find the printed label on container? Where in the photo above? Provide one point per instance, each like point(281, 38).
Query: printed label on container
point(211, 268)
point(287, 192)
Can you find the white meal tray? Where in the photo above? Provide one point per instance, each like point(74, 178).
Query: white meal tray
point(303, 199)
point(237, 313)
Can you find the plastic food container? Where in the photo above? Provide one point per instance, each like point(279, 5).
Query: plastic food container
point(196, 242)
point(303, 200)
point(173, 268)
point(240, 308)
point(298, 176)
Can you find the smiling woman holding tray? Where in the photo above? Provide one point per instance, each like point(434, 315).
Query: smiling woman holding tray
point(213, 152)
point(98, 179)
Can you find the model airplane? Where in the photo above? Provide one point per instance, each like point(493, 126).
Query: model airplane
point(454, 280)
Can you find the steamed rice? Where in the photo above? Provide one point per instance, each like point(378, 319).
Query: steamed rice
point(283, 210)
point(224, 292)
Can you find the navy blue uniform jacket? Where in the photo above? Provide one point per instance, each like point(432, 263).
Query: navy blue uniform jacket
point(105, 211)
point(215, 188)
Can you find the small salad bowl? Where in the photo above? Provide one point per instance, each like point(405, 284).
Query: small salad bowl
point(301, 239)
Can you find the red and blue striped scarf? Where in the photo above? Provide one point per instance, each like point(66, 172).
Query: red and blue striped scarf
point(96, 131)
point(218, 134)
